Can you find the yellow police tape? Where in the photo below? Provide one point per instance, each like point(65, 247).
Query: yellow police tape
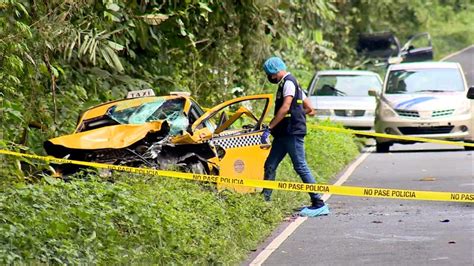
point(387, 136)
point(390, 136)
point(288, 186)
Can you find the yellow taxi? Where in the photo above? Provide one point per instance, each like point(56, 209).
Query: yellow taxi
point(171, 132)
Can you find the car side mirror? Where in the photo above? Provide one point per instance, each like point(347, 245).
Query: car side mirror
point(470, 93)
point(373, 92)
point(395, 60)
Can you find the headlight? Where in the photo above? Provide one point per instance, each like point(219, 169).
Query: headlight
point(386, 111)
point(464, 109)
point(369, 113)
point(325, 112)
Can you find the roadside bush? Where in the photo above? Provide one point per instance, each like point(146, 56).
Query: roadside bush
point(452, 30)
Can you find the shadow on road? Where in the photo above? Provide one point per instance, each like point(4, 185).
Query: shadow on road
point(427, 150)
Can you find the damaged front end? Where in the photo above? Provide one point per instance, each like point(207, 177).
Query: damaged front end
point(133, 135)
point(154, 150)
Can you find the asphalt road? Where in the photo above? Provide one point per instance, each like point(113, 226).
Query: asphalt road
point(367, 231)
point(370, 231)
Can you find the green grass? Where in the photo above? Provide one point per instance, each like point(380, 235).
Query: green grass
point(147, 220)
point(160, 220)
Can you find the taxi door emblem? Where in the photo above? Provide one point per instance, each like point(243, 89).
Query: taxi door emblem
point(239, 166)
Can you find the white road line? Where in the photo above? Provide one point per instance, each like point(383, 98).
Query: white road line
point(456, 53)
point(268, 250)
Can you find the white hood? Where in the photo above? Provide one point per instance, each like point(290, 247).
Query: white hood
point(425, 101)
point(343, 102)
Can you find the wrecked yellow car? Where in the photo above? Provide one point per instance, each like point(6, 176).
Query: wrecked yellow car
point(170, 132)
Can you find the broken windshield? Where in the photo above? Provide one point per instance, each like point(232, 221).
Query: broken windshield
point(161, 109)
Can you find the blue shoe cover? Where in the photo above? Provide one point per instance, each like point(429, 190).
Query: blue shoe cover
point(315, 212)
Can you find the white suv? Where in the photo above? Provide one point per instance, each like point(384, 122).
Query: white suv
point(424, 100)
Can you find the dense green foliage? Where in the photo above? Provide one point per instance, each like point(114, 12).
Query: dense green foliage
point(148, 220)
point(58, 58)
point(452, 29)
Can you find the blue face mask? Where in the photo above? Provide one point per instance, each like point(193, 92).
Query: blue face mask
point(272, 80)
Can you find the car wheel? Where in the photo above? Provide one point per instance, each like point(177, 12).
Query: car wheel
point(468, 148)
point(197, 168)
point(382, 147)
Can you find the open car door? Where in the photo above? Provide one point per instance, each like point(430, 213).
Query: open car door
point(418, 48)
point(235, 128)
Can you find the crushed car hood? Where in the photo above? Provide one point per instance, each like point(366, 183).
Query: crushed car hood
point(111, 137)
point(424, 102)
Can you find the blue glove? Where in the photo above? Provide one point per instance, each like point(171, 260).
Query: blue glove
point(265, 138)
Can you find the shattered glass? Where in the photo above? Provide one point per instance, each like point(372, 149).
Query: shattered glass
point(161, 109)
point(178, 124)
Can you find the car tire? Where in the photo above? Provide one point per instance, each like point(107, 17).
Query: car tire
point(382, 147)
point(197, 168)
point(468, 148)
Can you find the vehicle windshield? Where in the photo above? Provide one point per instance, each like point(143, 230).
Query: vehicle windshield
point(346, 85)
point(424, 80)
point(161, 109)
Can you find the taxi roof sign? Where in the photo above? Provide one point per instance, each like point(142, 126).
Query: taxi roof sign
point(140, 93)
